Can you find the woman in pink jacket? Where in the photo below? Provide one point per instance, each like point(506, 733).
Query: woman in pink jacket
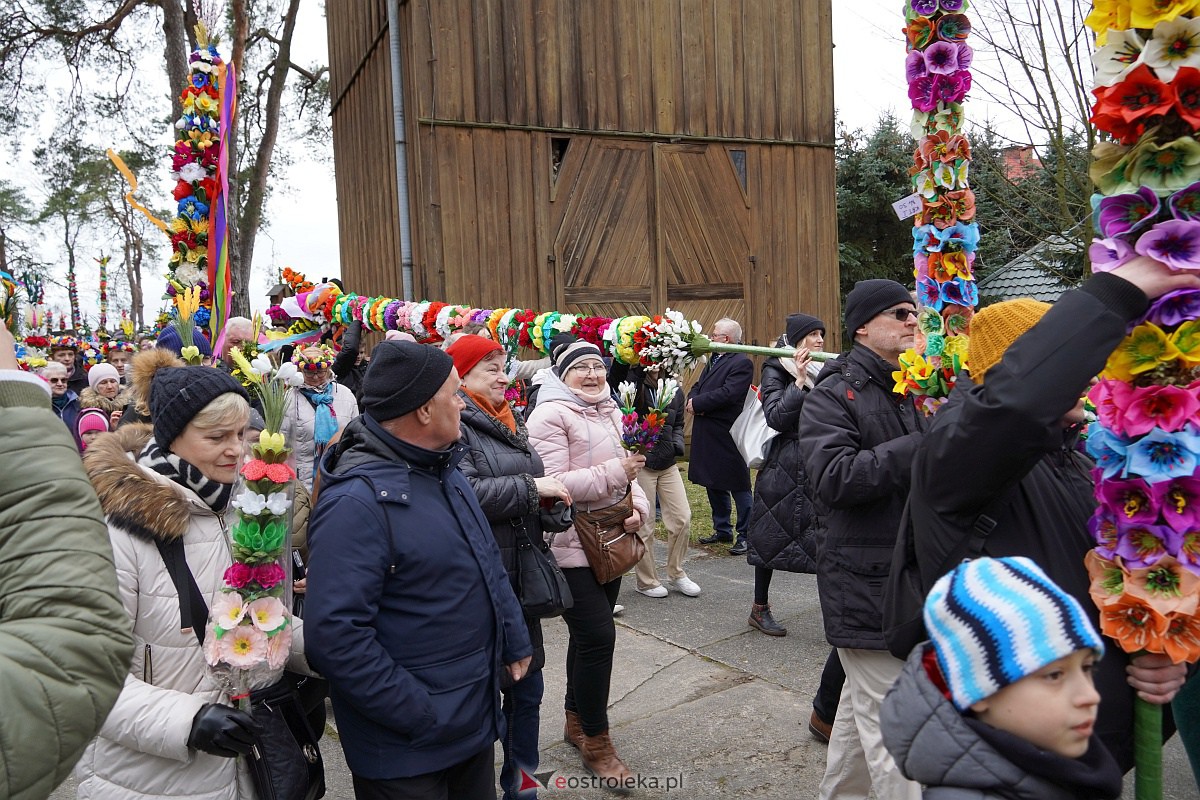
point(576, 429)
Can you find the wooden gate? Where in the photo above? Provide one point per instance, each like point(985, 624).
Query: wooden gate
point(641, 226)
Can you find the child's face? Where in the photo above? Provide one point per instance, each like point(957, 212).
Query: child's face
point(89, 436)
point(1053, 708)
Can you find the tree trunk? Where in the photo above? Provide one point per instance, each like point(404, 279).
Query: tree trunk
point(175, 33)
point(251, 211)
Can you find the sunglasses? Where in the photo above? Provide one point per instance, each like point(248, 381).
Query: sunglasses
point(899, 314)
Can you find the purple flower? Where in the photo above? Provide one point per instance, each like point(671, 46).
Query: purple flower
point(966, 56)
point(1125, 213)
point(1180, 503)
point(914, 65)
point(924, 7)
point(1143, 545)
point(941, 58)
point(928, 294)
point(1185, 204)
point(922, 93)
point(952, 6)
point(954, 87)
point(954, 27)
point(1104, 530)
point(1174, 308)
point(960, 292)
point(1131, 501)
point(1175, 242)
point(1108, 254)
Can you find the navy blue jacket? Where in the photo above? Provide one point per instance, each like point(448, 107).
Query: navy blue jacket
point(717, 398)
point(410, 615)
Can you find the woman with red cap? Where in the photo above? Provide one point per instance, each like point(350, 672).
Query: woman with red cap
point(507, 476)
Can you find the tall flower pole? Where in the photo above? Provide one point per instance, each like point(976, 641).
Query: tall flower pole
point(102, 325)
point(1146, 566)
point(945, 235)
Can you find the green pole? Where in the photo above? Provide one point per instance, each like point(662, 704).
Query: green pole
point(1147, 750)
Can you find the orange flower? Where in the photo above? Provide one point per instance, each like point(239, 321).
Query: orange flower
point(1107, 579)
point(1166, 587)
point(1134, 625)
point(1182, 640)
point(919, 33)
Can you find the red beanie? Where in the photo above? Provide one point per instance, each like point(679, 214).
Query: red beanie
point(469, 350)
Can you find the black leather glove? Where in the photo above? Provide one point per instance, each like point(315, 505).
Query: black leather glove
point(223, 731)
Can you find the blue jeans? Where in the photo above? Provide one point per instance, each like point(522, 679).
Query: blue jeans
point(719, 500)
point(522, 711)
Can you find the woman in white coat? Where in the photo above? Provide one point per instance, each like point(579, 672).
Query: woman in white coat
point(173, 732)
point(316, 413)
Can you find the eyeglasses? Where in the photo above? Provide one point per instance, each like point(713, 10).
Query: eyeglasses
point(899, 314)
point(588, 369)
point(56, 380)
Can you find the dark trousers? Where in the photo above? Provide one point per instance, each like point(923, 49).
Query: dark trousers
point(762, 585)
point(472, 779)
point(522, 713)
point(593, 637)
point(719, 500)
point(829, 693)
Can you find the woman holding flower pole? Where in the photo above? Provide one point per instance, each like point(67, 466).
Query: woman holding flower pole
point(576, 429)
point(317, 412)
point(510, 482)
point(173, 732)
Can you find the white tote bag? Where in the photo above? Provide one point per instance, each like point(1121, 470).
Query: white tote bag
point(751, 432)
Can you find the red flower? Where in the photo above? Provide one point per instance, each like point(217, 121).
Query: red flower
point(268, 575)
point(255, 470)
point(1124, 108)
point(238, 575)
point(280, 473)
point(1187, 95)
point(183, 189)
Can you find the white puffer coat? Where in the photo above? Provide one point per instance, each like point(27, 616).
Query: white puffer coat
point(142, 752)
point(299, 427)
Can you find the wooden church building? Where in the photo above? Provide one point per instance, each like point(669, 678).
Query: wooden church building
point(600, 156)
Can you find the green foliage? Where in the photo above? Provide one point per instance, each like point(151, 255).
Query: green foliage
point(872, 173)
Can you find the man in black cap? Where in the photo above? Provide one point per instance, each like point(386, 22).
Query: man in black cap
point(409, 612)
point(857, 440)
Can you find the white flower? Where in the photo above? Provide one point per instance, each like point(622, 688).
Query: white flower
point(666, 391)
point(626, 391)
point(277, 503)
point(251, 504)
point(188, 274)
point(192, 172)
point(261, 365)
point(1117, 59)
point(1174, 44)
point(287, 371)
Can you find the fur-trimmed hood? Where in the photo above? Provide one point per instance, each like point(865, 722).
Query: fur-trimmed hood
point(145, 504)
point(90, 398)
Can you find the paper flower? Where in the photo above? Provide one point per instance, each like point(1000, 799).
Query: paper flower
point(1144, 545)
point(1175, 242)
point(1142, 350)
point(1175, 308)
point(227, 610)
point(1167, 407)
point(238, 575)
point(1164, 168)
point(1173, 44)
point(1149, 13)
point(954, 27)
point(1160, 456)
point(1186, 341)
point(279, 648)
point(1107, 449)
point(1134, 624)
point(1181, 642)
point(267, 614)
point(1123, 214)
point(1165, 585)
point(1117, 58)
point(268, 575)
point(1105, 531)
point(1130, 501)
point(243, 647)
point(941, 58)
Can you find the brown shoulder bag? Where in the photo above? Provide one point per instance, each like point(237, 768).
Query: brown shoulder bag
point(611, 550)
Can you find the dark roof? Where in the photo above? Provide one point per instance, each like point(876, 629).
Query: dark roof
point(1028, 275)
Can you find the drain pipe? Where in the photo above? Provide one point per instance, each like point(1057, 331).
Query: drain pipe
point(406, 261)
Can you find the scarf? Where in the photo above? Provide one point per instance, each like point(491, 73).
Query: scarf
point(502, 412)
point(605, 393)
point(60, 402)
point(326, 423)
point(215, 495)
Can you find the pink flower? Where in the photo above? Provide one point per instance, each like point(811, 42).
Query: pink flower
point(212, 646)
point(1179, 500)
point(238, 575)
point(1108, 254)
point(267, 575)
point(244, 646)
point(279, 647)
point(1175, 242)
point(254, 470)
point(1111, 398)
point(1132, 502)
point(1166, 407)
point(227, 610)
point(267, 614)
point(279, 473)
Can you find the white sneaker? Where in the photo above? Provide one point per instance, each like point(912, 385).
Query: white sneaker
point(618, 610)
point(685, 585)
point(654, 591)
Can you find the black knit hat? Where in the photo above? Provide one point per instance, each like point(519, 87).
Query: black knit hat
point(178, 394)
point(801, 325)
point(402, 377)
point(560, 342)
point(572, 353)
point(870, 297)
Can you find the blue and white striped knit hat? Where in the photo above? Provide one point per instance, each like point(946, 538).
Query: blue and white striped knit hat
point(993, 621)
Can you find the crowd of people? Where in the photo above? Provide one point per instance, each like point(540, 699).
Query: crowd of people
point(426, 483)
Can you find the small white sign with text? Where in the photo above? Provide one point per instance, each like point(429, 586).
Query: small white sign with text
point(908, 207)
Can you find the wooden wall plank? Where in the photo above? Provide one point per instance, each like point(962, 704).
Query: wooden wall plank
point(695, 72)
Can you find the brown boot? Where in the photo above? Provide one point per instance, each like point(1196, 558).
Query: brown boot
point(573, 730)
point(760, 617)
point(602, 761)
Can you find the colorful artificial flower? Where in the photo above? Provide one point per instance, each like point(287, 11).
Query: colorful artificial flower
point(1108, 254)
point(1173, 44)
point(1186, 341)
point(1161, 455)
point(1166, 407)
point(1149, 13)
point(1107, 15)
point(953, 27)
point(1185, 204)
point(238, 575)
point(1181, 642)
point(1108, 450)
point(1164, 168)
point(1105, 532)
point(1144, 349)
point(243, 647)
point(1133, 624)
point(1144, 545)
point(1175, 308)
point(1187, 95)
point(1131, 501)
point(228, 610)
point(1165, 585)
point(1117, 58)
point(1175, 242)
point(1123, 214)
point(267, 614)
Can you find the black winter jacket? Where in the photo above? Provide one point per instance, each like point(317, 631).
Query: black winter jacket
point(500, 466)
point(670, 442)
point(781, 534)
point(857, 440)
point(1006, 435)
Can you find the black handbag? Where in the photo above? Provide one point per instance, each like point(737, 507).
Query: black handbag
point(541, 586)
point(285, 762)
point(557, 518)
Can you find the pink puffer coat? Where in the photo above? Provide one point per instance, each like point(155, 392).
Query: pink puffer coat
point(580, 444)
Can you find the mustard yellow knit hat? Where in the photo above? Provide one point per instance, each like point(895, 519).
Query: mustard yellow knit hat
point(995, 328)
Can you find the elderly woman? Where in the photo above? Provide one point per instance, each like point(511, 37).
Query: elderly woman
point(319, 411)
point(64, 401)
point(104, 392)
point(173, 731)
point(576, 429)
point(508, 478)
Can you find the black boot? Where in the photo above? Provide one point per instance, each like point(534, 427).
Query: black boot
point(760, 617)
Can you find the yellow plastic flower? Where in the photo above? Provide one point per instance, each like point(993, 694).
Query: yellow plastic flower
point(1148, 13)
point(1144, 348)
point(1186, 340)
point(198, 225)
point(956, 347)
point(1108, 15)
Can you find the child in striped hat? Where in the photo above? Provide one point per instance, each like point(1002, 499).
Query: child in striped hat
point(1000, 702)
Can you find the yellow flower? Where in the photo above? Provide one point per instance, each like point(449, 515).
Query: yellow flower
point(178, 225)
point(198, 225)
point(187, 303)
point(956, 347)
point(205, 104)
point(1144, 348)
point(1186, 340)
point(1108, 15)
point(1148, 13)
